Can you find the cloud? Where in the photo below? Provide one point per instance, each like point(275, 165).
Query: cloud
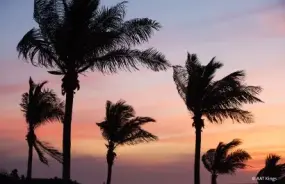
point(273, 21)
point(12, 88)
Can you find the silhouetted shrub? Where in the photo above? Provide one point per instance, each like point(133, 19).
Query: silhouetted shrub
point(9, 180)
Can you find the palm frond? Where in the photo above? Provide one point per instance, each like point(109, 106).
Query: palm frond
point(122, 127)
point(223, 149)
point(109, 18)
point(236, 114)
point(231, 80)
point(272, 159)
point(50, 112)
point(49, 15)
point(192, 64)
point(24, 105)
point(226, 96)
point(38, 89)
point(119, 111)
point(139, 121)
point(41, 105)
point(221, 161)
point(211, 68)
point(230, 94)
point(236, 160)
point(40, 154)
point(180, 77)
point(238, 156)
point(137, 136)
point(32, 45)
point(132, 131)
point(51, 151)
point(231, 145)
point(105, 130)
point(130, 59)
point(217, 100)
point(117, 114)
point(137, 31)
point(32, 85)
point(208, 159)
point(272, 168)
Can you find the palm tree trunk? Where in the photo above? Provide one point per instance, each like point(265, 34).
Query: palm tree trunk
point(67, 135)
point(199, 124)
point(109, 174)
point(30, 161)
point(214, 179)
point(110, 160)
point(197, 156)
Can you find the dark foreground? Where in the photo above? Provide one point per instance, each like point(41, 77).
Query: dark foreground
point(35, 181)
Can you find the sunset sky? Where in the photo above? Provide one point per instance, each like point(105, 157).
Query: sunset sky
point(243, 34)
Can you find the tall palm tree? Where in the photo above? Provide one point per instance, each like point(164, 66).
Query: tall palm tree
point(221, 161)
point(216, 100)
point(77, 36)
point(121, 127)
point(272, 172)
point(40, 106)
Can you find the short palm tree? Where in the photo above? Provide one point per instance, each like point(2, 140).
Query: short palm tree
point(76, 36)
point(272, 171)
point(221, 161)
point(216, 100)
point(121, 127)
point(40, 106)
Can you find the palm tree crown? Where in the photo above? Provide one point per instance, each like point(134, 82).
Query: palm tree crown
point(74, 36)
point(41, 106)
point(121, 127)
point(222, 161)
point(272, 169)
point(216, 100)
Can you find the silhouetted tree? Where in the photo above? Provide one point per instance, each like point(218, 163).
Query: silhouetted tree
point(6, 177)
point(221, 161)
point(14, 174)
point(3, 174)
point(272, 172)
point(40, 106)
point(121, 127)
point(76, 36)
point(215, 100)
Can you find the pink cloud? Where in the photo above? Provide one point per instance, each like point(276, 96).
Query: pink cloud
point(8, 89)
point(12, 88)
point(273, 21)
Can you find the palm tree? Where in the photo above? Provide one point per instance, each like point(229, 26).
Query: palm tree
point(121, 127)
point(40, 106)
point(272, 171)
point(214, 99)
point(76, 36)
point(221, 161)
